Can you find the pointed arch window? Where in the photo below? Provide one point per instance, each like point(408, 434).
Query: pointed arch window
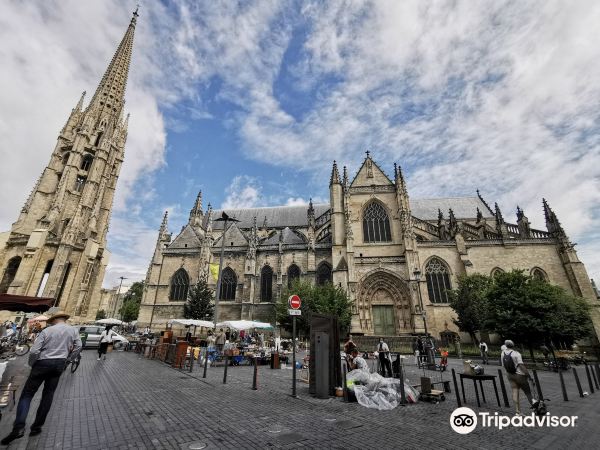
point(266, 284)
point(438, 280)
point(293, 274)
point(376, 224)
point(539, 274)
point(9, 273)
point(180, 285)
point(86, 162)
point(79, 183)
point(323, 274)
point(228, 284)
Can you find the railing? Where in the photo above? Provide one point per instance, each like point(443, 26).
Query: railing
point(538, 234)
point(425, 226)
point(512, 229)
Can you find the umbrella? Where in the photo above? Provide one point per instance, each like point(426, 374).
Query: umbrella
point(264, 325)
point(110, 321)
point(193, 322)
point(243, 324)
point(41, 318)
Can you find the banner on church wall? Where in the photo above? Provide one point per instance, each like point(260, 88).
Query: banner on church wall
point(214, 271)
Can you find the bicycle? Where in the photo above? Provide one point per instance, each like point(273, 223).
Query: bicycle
point(13, 346)
point(74, 359)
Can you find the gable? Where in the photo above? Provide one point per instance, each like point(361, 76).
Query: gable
point(370, 174)
point(233, 235)
point(186, 239)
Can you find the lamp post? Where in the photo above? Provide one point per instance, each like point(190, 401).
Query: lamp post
point(224, 218)
point(117, 298)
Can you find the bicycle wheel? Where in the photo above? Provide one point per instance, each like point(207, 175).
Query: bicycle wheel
point(75, 364)
point(21, 349)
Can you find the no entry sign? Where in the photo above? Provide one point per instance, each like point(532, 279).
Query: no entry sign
point(294, 302)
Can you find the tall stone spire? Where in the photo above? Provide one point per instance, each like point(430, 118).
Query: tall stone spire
point(335, 175)
point(196, 211)
point(552, 223)
point(109, 97)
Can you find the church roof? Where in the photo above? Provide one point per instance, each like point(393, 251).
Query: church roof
point(463, 207)
point(277, 216)
point(295, 216)
point(289, 237)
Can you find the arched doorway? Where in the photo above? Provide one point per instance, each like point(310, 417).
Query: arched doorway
point(9, 273)
point(384, 304)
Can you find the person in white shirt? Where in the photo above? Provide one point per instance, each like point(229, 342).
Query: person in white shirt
point(358, 362)
point(483, 351)
point(106, 339)
point(518, 375)
point(384, 358)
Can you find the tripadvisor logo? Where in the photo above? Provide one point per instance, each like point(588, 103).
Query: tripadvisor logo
point(464, 420)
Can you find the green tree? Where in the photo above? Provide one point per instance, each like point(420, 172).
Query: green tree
point(533, 311)
point(200, 305)
point(469, 301)
point(130, 308)
point(325, 299)
point(101, 314)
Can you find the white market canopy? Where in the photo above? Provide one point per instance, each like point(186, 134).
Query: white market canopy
point(193, 322)
point(243, 324)
point(110, 322)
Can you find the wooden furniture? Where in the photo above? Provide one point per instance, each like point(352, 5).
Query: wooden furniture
point(475, 379)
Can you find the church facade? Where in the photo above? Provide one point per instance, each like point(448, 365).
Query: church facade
point(57, 246)
point(396, 257)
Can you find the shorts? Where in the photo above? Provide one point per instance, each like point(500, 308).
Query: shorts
point(518, 381)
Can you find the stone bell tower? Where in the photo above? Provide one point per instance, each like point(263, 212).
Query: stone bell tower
point(57, 246)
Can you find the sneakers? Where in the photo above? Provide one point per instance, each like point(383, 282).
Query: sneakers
point(98, 359)
point(14, 434)
point(35, 431)
point(104, 357)
point(535, 404)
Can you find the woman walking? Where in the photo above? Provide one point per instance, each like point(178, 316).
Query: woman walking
point(106, 338)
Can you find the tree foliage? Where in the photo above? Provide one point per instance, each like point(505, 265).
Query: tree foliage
point(325, 299)
point(130, 308)
point(101, 314)
point(533, 311)
point(469, 301)
point(200, 304)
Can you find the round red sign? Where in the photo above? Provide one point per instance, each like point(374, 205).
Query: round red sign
point(294, 301)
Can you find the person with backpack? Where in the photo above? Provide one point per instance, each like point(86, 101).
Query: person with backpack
point(518, 376)
point(483, 351)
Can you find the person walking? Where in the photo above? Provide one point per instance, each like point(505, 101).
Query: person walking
point(106, 339)
point(483, 351)
point(518, 376)
point(384, 358)
point(47, 359)
point(220, 341)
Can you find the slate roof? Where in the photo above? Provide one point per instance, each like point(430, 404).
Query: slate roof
point(295, 216)
point(277, 216)
point(463, 207)
point(289, 237)
point(186, 239)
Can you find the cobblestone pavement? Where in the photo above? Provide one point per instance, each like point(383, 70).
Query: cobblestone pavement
point(127, 402)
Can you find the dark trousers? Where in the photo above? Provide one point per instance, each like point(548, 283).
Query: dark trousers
point(386, 365)
point(47, 371)
point(102, 348)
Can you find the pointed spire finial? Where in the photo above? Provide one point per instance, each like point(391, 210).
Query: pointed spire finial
point(368, 152)
point(479, 215)
point(163, 225)
point(135, 14)
point(345, 177)
point(79, 106)
point(498, 214)
point(335, 175)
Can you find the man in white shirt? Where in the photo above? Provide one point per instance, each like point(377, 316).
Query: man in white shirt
point(483, 351)
point(517, 374)
point(384, 358)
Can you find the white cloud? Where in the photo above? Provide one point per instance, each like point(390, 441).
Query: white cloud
point(243, 192)
point(296, 201)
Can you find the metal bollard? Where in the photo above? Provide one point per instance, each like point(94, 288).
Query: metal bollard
point(402, 390)
point(205, 362)
point(594, 377)
point(578, 382)
point(456, 388)
point(345, 387)
point(537, 385)
point(589, 377)
point(255, 375)
point(503, 388)
point(562, 386)
point(596, 369)
point(225, 371)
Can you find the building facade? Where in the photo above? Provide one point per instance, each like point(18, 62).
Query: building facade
point(396, 257)
point(57, 246)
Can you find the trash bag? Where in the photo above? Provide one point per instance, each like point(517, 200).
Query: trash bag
point(376, 392)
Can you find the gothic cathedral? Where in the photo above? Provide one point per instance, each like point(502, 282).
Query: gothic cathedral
point(396, 257)
point(57, 246)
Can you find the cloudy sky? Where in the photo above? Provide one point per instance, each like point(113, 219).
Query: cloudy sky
point(251, 101)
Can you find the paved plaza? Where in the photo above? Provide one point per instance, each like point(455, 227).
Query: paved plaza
point(128, 402)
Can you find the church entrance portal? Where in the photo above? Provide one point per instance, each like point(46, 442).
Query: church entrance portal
point(383, 320)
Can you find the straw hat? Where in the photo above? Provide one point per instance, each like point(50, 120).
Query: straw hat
point(58, 315)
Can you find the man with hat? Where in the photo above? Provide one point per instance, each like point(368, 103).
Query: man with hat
point(47, 359)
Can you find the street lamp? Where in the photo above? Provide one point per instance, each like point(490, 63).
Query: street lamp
point(117, 297)
point(224, 218)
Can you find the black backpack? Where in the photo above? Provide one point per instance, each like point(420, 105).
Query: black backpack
point(509, 363)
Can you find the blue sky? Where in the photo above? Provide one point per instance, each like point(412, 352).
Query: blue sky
point(251, 101)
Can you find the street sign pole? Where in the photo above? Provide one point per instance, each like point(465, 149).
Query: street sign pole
point(294, 357)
